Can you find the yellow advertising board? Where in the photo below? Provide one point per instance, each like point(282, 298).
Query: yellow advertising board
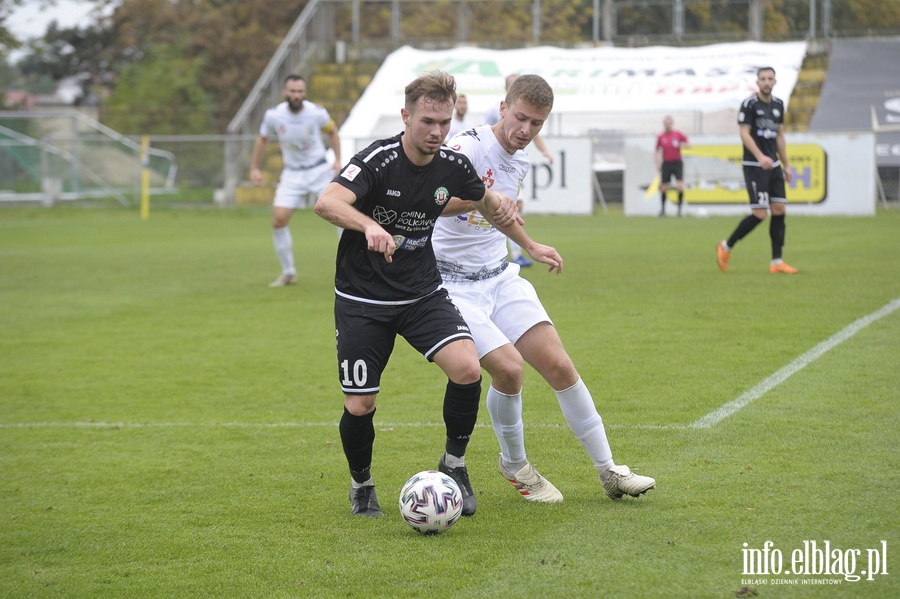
point(713, 175)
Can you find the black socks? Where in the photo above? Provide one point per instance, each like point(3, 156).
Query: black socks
point(357, 437)
point(744, 227)
point(460, 414)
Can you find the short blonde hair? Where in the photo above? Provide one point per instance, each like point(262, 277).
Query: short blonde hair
point(532, 89)
point(437, 87)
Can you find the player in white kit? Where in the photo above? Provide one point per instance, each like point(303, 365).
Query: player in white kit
point(298, 124)
point(502, 309)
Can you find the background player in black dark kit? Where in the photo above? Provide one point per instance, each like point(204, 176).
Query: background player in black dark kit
point(387, 200)
point(765, 161)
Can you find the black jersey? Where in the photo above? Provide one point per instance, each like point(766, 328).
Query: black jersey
point(406, 200)
point(764, 119)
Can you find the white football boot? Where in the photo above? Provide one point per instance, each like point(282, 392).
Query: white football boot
point(532, 485)
point(620, 480)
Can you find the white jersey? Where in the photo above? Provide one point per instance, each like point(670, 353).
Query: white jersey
point(300, 134)
point(468, 247)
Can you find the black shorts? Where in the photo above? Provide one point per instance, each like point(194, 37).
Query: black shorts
point(365, 336)
point(671, 169)
point(764, 187)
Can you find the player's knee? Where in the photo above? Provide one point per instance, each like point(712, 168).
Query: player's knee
point(467, 373)
point(359, 405)
point(507, 375)
point(281, 216)
point(560, 372)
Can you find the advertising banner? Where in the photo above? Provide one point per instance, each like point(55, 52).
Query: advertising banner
point(585, 80)
point(563, 187)
point(714, 177)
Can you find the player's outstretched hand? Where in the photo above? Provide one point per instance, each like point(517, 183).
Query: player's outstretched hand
point(381, 241)
point(547, 255)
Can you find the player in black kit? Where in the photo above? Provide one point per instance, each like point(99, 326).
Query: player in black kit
point(387, 200)
point(761, 121)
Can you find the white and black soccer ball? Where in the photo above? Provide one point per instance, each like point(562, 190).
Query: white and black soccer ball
point(430, 502)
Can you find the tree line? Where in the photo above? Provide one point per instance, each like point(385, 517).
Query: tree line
point(185, 66)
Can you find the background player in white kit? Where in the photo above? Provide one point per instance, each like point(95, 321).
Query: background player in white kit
point(502, 309)
point(460, 123)
point(298, 124)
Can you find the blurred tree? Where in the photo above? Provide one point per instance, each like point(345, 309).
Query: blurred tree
point(566, 21)
point(7, 40)
point(64, 52)
point(863, 17)
point(780, 17)
point(160, 94)
point(723, 18)
point(8, 76)
point(226, 44)
point(235, 38)
point(643, 18)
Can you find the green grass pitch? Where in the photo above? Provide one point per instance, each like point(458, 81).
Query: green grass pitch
point(168, 423)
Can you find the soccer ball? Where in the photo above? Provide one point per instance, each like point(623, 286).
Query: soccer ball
point(430, 502)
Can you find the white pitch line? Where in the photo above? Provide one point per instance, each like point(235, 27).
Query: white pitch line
point(97, 424)
point(707, 421)
point(769, 383)
point(378, 425)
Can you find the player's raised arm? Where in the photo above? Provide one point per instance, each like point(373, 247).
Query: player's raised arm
point(512, 226)
point(499, 208)
point(457, 206)
point(336, 206)
point(538, 251)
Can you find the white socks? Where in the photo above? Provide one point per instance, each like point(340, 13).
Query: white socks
point(578, 409)
point(506, 418)
point(583, 419)
point(284, 249)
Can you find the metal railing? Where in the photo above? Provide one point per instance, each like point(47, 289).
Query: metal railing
point(51, 163)
point(68, 156)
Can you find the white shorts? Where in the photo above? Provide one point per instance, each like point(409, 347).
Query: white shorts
point(498, 310)
point(295, 185)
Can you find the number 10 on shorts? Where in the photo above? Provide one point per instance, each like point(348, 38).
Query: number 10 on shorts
point(360, 374)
